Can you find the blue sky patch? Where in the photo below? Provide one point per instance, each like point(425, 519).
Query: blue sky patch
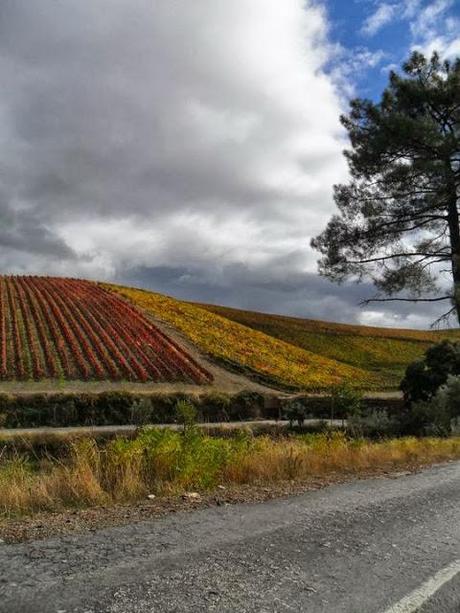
point(375, 36)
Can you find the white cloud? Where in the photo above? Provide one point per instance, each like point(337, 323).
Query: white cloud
point(389, 67)
point(410, 8)
point(351, 64)
point(429, 18)
point(382, 16)
point(447, 48)
point(434, 28)
point(166, 133)
point(389, 319)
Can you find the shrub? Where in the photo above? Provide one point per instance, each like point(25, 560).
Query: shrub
point(424, 377)
point(450, 393)
point(345, 402)
point(436, 417)
point(376, 424)
point(186, 415)
point(215, 407)
point(141, 411)
point(429, 398)
point(295, 411)
point(246, 405)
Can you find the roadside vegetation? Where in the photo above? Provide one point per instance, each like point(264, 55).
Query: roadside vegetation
point(53, 475)
point(254, 353)
point(163, 462)
point(431, 388)
point(123, 408)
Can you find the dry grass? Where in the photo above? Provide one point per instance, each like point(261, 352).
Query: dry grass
point(166, 462)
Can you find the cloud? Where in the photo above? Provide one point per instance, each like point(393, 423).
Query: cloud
point(165, 133)
point(432, 25)
point(435, 28)
point(382, 16)
point(193, 144)
point(350, 65)
point(278, 290)
point(429, 18)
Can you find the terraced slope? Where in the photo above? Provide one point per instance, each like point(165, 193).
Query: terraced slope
point(385, 351)
point(250, 351)
point(53, 328)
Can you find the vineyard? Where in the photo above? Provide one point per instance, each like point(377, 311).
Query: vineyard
point(385, 351)
point(66, 329)
point(293, 352)
point(55, 328)
point(251, 352)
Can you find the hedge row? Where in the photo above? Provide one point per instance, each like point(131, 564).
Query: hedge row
point(322, 407)
point(123, 408)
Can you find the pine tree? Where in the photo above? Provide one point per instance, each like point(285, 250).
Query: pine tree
point(398, 220)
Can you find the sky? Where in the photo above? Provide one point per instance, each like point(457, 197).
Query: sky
point(191, 147)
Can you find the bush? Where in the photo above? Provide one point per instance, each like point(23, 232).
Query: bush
point(436, 417)
point(141, 411)
point(424, 377)
point(295, 411)
point(430, 391)
point(246, 405)
point(186, 415)
point(122, 408)
point(376, 424)
point(345, 402)
point(215, 407)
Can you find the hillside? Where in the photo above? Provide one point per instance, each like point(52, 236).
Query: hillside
point(66, 329)
point(384, 351)
point(252, 352)
point(70, 330)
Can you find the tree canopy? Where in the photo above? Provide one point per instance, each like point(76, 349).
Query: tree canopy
point(398, 220)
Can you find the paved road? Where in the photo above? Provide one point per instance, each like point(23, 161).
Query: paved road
point(360, 547)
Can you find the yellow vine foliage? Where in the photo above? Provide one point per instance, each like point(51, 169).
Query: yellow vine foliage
point(270, 359)
point(386, 351)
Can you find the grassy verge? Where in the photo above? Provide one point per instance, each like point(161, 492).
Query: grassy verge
point(163, 462)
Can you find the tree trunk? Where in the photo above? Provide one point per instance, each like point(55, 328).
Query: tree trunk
point(454, 233)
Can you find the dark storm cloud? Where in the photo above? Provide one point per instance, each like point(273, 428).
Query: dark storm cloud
point(21, 231)
point(303, 294)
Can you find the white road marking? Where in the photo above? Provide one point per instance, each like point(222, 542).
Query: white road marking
point(418, 597)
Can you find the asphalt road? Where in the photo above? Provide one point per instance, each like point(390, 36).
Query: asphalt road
point(387, 545)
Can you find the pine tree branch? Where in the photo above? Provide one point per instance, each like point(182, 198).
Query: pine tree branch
point(436, 254)
point(369, 300)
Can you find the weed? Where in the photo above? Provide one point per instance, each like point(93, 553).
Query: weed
point(170, 462)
